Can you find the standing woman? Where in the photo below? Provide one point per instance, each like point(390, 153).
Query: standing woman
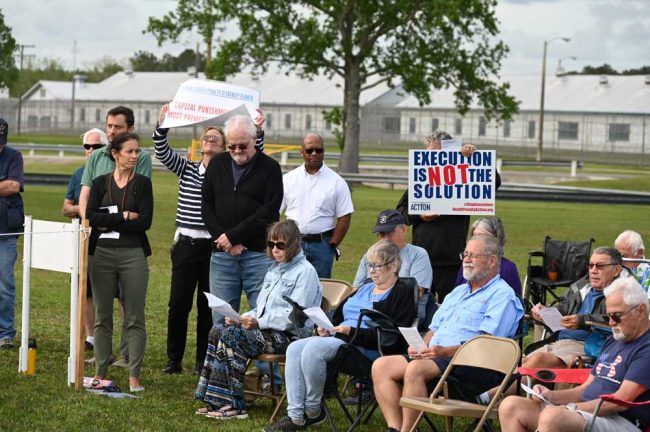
point(120, 210)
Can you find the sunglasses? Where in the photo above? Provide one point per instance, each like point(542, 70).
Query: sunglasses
point(93, 146)
point(600, 266)
point(280, 245)
point(211, 138)
point(617, 316)
point(311, 150)
point(237, 146)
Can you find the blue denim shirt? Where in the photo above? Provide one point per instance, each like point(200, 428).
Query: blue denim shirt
point(296, 279)
point(493, 309)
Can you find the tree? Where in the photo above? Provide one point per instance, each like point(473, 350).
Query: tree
point(605, 69)
point(422, 44)
point(8, 71)
point(145, 61)
point(41, 69)
point(204, 15)
point(102, 69)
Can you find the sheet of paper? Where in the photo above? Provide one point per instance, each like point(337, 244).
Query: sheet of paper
point(413, 338)
point(534, 393)
point(319, 318)
point(552, 318)
point(451, 144)
point(221, 307)
point(110, 234)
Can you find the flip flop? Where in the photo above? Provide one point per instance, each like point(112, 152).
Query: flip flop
point(227, 413)
point(205, 410)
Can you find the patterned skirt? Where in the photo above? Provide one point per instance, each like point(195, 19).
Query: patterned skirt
point(222, 378)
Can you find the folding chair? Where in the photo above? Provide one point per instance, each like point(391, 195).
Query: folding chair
point(488, 352)
point(562, 263)
point(335, 291)
point(613, 399)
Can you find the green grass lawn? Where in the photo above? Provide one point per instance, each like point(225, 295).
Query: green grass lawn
point(44, 402)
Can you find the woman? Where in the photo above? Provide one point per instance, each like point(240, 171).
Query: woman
point(120, 210)
point(263, 330)
point(307, 359)
point(493, 226)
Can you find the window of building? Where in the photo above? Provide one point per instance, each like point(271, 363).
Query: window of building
point(481, 126)
point(391, 124)
point(434, 124)
point(619, 132)
point(308, 122)
point(269, 120)
point(506, 129)
point(43, 92)
point(287, 121)
point(567, 130)
point(458, 127)
point(412, 125)
point(531, 129)
point(147, 116)
point(32, 121)
point(82, 115)
point(98, 115)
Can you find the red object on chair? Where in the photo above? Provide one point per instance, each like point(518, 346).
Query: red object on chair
point(613, 399)
point(568, 376)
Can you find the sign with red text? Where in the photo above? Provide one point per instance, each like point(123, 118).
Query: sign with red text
point(445, 182)
point(199, 102)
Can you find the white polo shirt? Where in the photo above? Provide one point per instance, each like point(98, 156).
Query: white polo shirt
point(315, 201)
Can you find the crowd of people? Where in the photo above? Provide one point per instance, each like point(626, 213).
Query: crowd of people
point(230, 241)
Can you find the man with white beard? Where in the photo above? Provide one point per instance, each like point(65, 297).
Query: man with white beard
point(484, 305)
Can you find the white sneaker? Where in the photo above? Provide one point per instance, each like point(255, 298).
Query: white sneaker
point(122, 362)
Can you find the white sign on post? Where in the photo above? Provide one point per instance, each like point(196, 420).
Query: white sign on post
point(445, 182)
point(200, 102)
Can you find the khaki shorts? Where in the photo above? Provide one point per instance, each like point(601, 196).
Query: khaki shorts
point(563, 349)
point(609, 423)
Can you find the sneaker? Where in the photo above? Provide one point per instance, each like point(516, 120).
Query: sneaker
point(173, 368)
point(313, 421)
point(266, 388)
point(366, 397)
point(7, 343)
point(90, 361)
point(88, 346)
point(284, 424)
point(122, 362)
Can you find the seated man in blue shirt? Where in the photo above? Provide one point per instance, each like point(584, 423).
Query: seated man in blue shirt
point(621, 369)
point(483, 305)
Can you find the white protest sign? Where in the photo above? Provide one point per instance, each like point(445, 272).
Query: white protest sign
point(200, 101)
point(445, 182)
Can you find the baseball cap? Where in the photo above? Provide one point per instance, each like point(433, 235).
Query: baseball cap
point(4, 132)
point(387, 220)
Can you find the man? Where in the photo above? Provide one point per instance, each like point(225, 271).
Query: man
point(442, 236)
point(319, 201)
point(580, 304)
point(483, 305)
point(242, 193)
point(94, 139)
point(630, 244)
point(118, 120)
point(621, 369)
point(11, 222)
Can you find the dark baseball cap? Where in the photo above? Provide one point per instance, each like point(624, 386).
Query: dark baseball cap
point(4, 132)
point(387, 220)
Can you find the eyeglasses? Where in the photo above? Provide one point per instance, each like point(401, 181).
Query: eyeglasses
point(232, 147)
point(311, 150)
point(617, 316)
point(280, 245)
point(464, 255)
point(377, 267)
point(212, 138)
point(93, 146)
point(600, 266)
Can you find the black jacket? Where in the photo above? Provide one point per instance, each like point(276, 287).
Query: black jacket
point(572, 300)
point(243, 211)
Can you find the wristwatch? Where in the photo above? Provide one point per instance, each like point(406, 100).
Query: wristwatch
point(572, 406)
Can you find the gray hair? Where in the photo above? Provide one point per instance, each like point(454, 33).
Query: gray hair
point(632, 239)
point(102, 135)
point(491, 246)
point(437, 135)
point(241, 121)
point(386, 251)
point(631, 290)
point(615, 255)
point(493, 226)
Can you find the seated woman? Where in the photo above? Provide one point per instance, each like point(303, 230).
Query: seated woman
point(307, 359)
point(493, 226)
point(263, 330)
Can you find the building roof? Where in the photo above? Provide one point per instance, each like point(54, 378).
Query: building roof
point(58, 90)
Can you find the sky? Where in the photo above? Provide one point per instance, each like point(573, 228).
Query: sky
point(601, 31)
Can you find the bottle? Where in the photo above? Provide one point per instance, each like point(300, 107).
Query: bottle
point(31, 357)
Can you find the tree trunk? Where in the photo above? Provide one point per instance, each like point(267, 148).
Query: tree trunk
point(349, 162)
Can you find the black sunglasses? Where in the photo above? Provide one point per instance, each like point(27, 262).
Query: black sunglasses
point(311, 150)
point(280, 245)
point(93, 146)
point(237, 146)
point(616, 316)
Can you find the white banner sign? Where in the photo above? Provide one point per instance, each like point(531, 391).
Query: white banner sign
point(445, 182)
point(205, 101)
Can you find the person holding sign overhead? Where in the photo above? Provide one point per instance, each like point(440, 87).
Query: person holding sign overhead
point(265, 329)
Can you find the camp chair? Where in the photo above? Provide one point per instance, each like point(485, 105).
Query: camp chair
point(613, 399)
point(488, 352)
point(334, 292)
point(562, 263)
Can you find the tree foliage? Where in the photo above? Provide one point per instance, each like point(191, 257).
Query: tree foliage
point(8, 70)
point(146, 61)
point(606, 69)
point(420, 44)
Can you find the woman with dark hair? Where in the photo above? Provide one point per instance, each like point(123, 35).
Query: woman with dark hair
point(120, 210)
point(266, 329)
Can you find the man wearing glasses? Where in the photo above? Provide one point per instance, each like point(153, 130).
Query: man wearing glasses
point(630, 244)
point(319, 201)
point(621, 369)
point(583, 302)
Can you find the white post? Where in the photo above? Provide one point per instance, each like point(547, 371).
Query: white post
point(574, 168)
point(74, 303)
point(284, 158)
point(499, 164)
point(27, 267)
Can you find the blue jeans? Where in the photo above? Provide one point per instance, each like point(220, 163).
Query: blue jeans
point(320, 255)
point(7, 286)
point(229, 275)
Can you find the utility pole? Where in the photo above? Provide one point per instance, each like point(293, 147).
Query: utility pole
point(20, 84)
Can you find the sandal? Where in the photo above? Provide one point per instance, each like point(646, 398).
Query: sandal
point(227, 413)
point(205, 410)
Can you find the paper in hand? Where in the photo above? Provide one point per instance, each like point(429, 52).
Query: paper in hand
point(221, 307)
point(451, 144)
point(319, 318)
point(552, 318)
point(413, 338)
point(534, 393)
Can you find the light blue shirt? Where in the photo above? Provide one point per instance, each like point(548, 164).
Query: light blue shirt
point(493, 309)
point(415, 264)
point(362, 299)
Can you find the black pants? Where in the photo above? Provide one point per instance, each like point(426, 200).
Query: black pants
point(444, 280)
point(190, 268)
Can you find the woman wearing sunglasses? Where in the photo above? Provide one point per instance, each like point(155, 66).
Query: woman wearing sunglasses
point(266, 329)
